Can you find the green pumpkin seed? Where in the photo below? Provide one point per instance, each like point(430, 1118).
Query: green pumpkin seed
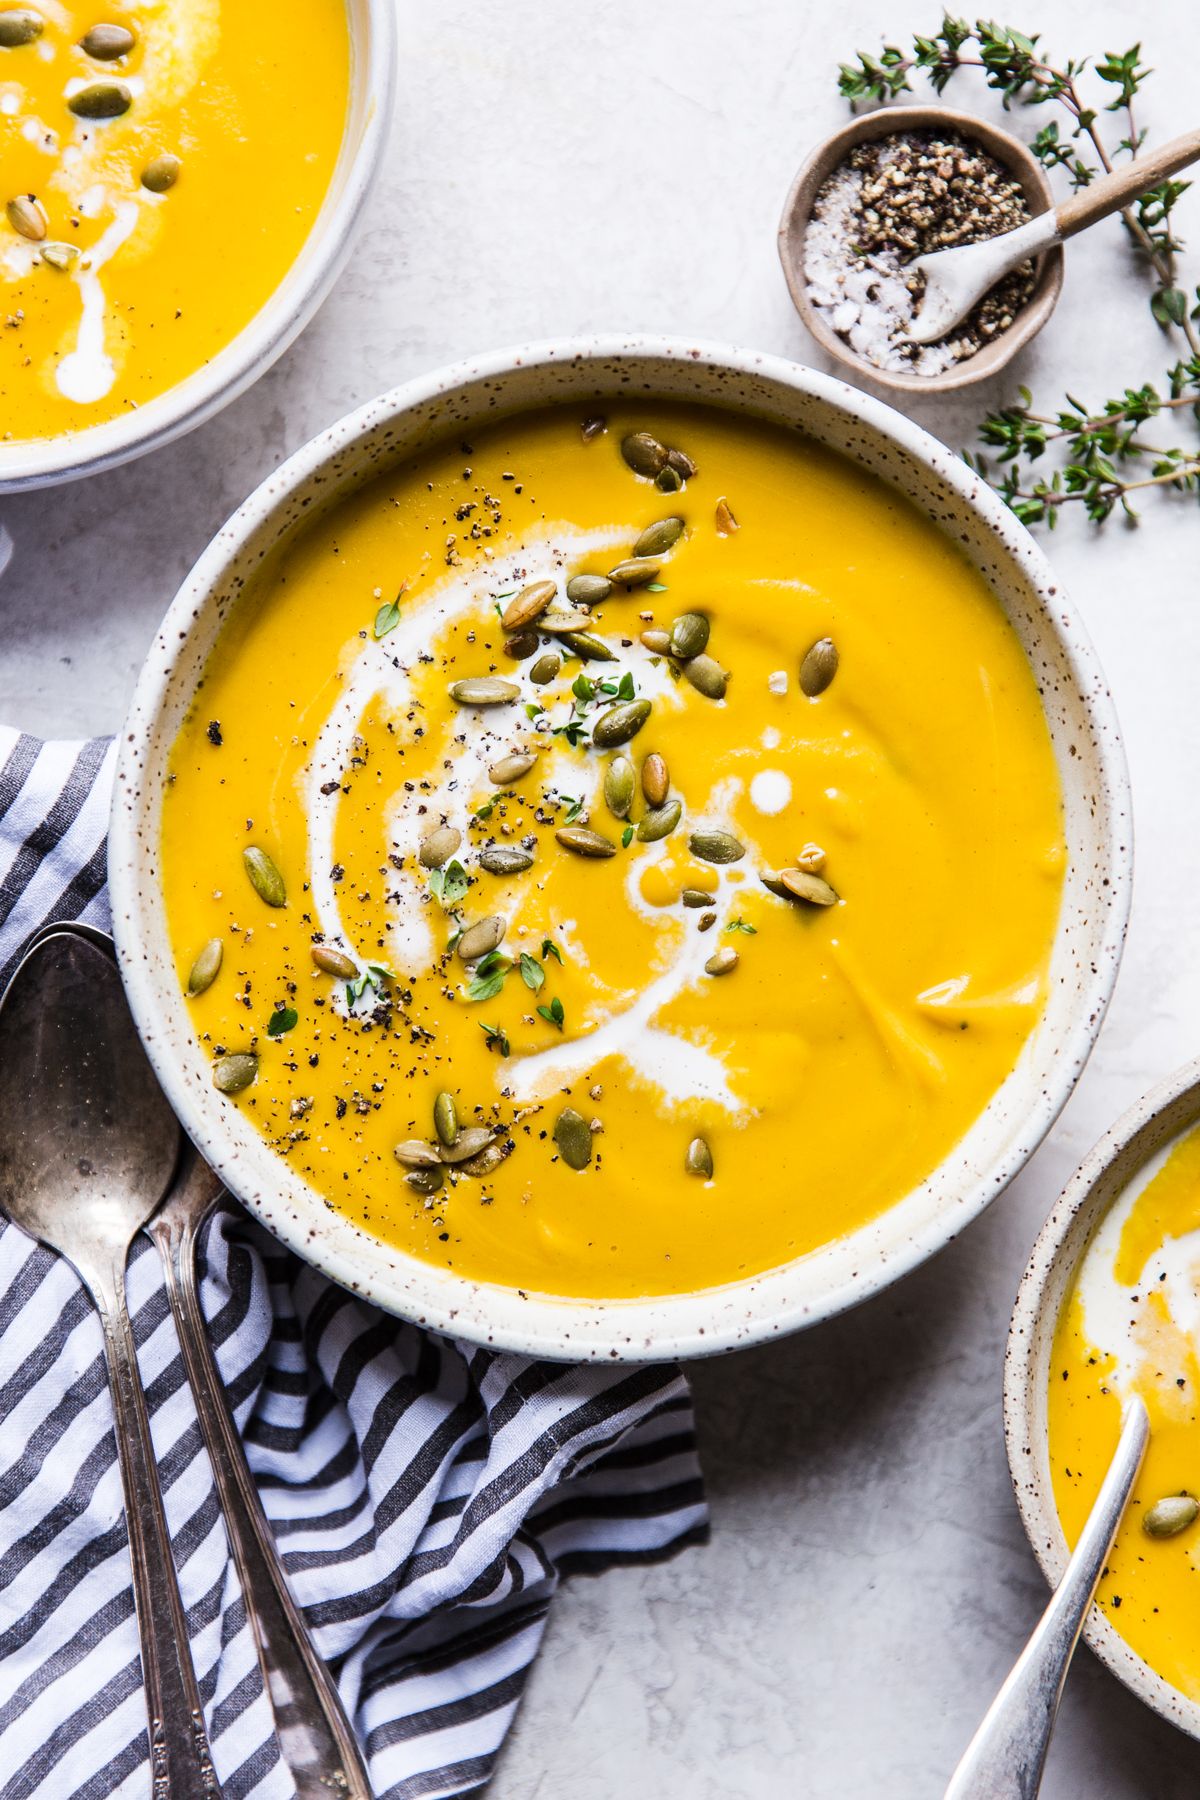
point(484, 690)
point(659, 822)
point(60, 256)
point(689, 635)
point(658, 538)
point(573, 1136)
point(658, 641)
point(587, 647)
point(102, 100)
point(723, 961)
point(334, 962)
point(584, 842)
point(814, 890)
point(819, 667)
point(668, 480)
point(656, 779)
point(593, 427)
point(636, 571)
point(439, 846)
point(27, 215)
point(618, 787)
point(425, 1181)
point(469, 1142)
point(698, 1160)
point(512, 768)
point(706, 921)
point(562, 622)
point(681, 462)
point(588, 590)
point(19, 27)
point(716, 847)
point(725, 522)
point(206, 966)
point(644, 454)
point(265, 878)
point(528, 605)
point(506, 859)
point(415, 1153)
point(106, 43)
point(707, 677)
point(523, 645)
point(545, 669)
point(231, 1074)
point(1170, 1515)
point(620, 723)
point(481, 937)
point(161, 173)
point(695, 897)
point(485, 1163)
point(445, 1118)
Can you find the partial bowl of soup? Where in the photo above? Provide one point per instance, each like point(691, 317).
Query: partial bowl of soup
point(620, 849)
point(181, 180)
point(1110, 1308)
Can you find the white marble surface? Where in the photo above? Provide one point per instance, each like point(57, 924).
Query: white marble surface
point(556, 169)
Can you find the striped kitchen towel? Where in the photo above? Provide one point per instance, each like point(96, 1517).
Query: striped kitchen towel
point(427, 1496)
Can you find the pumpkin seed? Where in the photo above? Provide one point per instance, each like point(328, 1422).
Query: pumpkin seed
point(545, 669)
point(105, 43)
point(415, 1153)
point(206, 966)
point(593, 427)
point(636, 571)
point(20, 26)
point(658, 538)
point(681, 462)
point(657, 640)
point(528, 605)
point(467, 1144)
point(484, 690)
point(481, 937)
point(811, 859)
point(523, 644)
point(695, 897)
point(587, 647)
point(644, 454)
point(511, 768)
point(618, 787)
point(231, 1074)
point(506, 859)
point(102, 100)
point(723, 961)
point(265, 878)
point(726, 523)
point(819, 667)
point(668, 480)
point(706, 921)
point(716, 846)
point(27, 215)
point(445, 1118)
point(689, 635)
point(1172, 1514)
point(563, 622)
point(707, 676)
point(588, 590)
point(573, 1136)
point(60, 256)
point(620, 723)
point(656, 779)
point(439, 846)
point(161, 173)
point(584, 842)
point(485, 1163)
point(334, 962)
point(659, 822)
point(698, 1160)
point(814, 890)
point(425, 1181)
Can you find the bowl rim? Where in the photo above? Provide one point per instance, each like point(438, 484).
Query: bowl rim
point(884, 121)
point(702, 1323)
point(1159, 1116)
point(69, 456)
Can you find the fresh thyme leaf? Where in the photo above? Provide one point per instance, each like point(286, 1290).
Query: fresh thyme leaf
point(553, 1014)
point(489, 975)
point(532, 972)
point(550, 948)
point(387, 618)
point(626, 689)
point(583, 687)
point(496, 1039)
point(656, 587)
point(449, 884)
point(574, 808)
point(284, 1018)
point(627, 837)
point(741, 925)
point(485, 811)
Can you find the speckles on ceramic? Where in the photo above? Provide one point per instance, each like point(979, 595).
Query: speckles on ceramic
point(1162, 1115)
point(1097, 828)
point(44, 461)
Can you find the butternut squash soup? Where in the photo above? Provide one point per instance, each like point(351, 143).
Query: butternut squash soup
point(1132, 1326)
point(613, 857)
point(160, 177)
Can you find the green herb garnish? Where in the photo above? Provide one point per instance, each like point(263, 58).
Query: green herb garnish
point(284, 1018)
point(550, 948)
point(449, 884)
point(388, 616)
point(489, 975)
point(532, 972)
point(553, 1014)
point(741, 925)
point(496, 1039)
point(627, 837)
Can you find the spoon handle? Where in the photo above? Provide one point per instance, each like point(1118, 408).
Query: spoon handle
point(180, 1763)
point(315, 1737)
point(1004, 1759)
point(1112, 192)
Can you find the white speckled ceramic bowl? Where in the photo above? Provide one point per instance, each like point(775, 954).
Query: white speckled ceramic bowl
point(41, 462)
point(1090, 761)
point(1163, 1114)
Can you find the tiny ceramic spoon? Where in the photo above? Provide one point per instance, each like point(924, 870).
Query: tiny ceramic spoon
point(1005, 1758)
point(956, 280)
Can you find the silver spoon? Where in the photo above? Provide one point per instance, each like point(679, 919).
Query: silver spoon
point(956, 280)
point(87, 1148)
point(1005, 1758)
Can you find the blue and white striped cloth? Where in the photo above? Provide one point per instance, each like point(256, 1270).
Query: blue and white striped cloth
point(427, 1496)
